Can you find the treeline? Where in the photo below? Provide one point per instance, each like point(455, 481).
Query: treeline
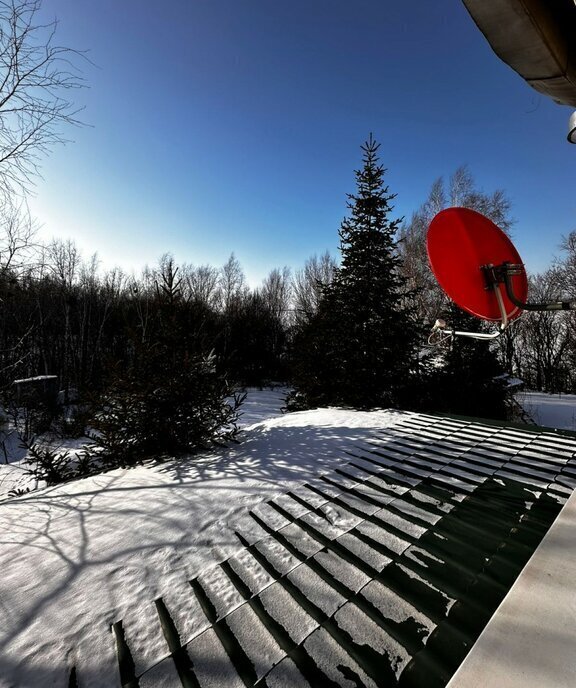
point(61, 315)
point(541, 346)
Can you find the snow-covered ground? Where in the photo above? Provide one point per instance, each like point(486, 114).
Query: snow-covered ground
point(261, 404)
point(550, 410)
point(78, 557)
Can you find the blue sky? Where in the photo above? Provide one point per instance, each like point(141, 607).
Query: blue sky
point(221, 126)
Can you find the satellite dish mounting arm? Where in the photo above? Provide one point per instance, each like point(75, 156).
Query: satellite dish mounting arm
point(502, 274)
point(440, 333)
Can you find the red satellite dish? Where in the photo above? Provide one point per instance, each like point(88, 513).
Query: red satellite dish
point(460, 243)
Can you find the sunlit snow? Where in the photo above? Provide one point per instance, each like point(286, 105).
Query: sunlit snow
point(80, 556)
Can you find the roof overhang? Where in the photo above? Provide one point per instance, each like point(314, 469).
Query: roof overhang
point(537, 38)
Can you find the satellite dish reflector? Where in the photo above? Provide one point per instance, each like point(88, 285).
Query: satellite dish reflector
point(463, 246)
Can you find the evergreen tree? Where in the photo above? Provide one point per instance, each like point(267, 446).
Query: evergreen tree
point(170, 397)
point(360, 348)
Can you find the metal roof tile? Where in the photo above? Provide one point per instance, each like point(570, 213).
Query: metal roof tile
point(384, 568)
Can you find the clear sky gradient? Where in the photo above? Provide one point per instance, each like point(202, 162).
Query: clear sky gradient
point(221, 126)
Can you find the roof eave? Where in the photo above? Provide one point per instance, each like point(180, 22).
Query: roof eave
point(535, 38)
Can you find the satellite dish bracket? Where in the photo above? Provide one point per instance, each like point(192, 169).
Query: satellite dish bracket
point(502, 274)
point(496, 277)
point(440, 334)
point(492, 275)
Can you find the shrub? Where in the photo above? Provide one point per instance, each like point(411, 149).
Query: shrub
point(162, 409)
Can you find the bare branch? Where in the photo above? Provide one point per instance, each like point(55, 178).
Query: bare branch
point(35, 75)
point(17, 237)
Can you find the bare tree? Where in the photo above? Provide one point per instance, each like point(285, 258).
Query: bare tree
point(567, 264)
point(543, 340)
point(307, 285)
point(64, 261)
point(232, 284)
point(35, 76)
point(114, 283)
point(567, 270)
point(201, 284)
point(276, 290)
point(17, 238)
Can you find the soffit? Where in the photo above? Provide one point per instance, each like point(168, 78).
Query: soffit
point(536, 38)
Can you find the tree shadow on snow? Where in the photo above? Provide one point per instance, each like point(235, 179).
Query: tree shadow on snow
point(81, 556)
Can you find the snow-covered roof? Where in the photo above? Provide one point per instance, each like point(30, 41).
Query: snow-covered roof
point(529, 642)
point(330, 548)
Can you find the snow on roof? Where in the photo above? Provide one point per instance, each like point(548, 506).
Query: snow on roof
point(331, 545)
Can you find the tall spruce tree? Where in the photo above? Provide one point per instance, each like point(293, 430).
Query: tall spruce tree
point(360, 348)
